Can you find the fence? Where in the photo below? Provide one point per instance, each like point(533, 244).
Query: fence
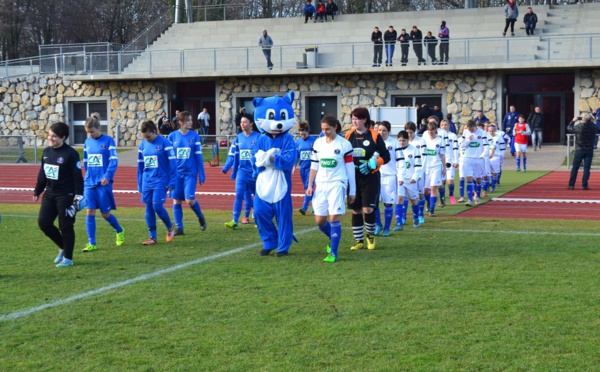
point(285, 57)
point(13, 149)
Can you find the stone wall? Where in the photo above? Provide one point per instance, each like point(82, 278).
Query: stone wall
point(589, 90)
point(29, 105)
point(465, 92)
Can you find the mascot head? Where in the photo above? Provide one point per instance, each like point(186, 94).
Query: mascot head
point(274, 115)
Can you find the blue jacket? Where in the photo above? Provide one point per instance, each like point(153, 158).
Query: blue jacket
point(308, 8)
point(508, 123)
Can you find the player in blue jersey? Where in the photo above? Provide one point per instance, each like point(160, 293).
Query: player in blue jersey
point(243, 166)
point(248, 202)
point(304, 144)
point(101, 162)
point(157, 174)
point(190, 169)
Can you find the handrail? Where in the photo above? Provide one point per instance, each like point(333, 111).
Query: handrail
point(148, 29)
point(336, 55)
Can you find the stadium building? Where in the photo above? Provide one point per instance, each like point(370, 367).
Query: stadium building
point(219, 66)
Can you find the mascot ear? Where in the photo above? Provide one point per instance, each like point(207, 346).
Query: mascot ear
point(289, 97)
point(256, 101)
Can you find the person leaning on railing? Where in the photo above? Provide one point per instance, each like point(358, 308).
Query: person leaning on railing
point(585, 135)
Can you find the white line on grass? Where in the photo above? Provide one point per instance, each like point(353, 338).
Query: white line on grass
point(584, 201)
point(24, 313)
point(137, 192)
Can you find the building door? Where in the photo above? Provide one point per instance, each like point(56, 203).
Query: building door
point(319, 107)
point(555, 125)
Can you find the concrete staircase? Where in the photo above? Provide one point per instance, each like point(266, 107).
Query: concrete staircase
point(570, 22)
point(193, 44)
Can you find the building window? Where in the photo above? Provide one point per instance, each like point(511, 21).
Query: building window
point(79, 112)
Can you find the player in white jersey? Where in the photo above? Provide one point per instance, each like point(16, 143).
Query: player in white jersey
point(487, 174)
point(475, 146)
point(451, 163)
point(497, 149)
point(389, 181)
point(436, 160)
point(502, 148)
point(445, 144)
point(332, 172)
point(420, 144)
point(409, 172)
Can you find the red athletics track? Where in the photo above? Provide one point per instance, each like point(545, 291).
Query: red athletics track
point(554, 201)
point(18, 176)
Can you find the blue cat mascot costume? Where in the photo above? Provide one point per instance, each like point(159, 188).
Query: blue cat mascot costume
point(275, 157)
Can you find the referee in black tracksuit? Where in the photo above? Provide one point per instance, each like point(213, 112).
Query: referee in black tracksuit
point(60, 177)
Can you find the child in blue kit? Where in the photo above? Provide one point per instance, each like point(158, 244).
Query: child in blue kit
point(101, 162)
point(243, 166)
point(190, 169)
point(157, 174)
point(304, 144)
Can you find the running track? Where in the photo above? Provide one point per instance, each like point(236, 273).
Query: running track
point(217, 194)
point(17, 183)
point(544, 198)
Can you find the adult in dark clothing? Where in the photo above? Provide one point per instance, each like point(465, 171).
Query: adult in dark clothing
point(377, 39)
point(423, 113)
point(453, 128)
point(330, 9)
point(585, 135)
point(404, 40)
point(389, 38)
point(508, 123)
point(430, 43)
point(536, 123)
point(530, 20)
point(61, 182)
point(596, 115)
point(164, 121)
point(417, 39)
point(437, 113)
point(444, 36)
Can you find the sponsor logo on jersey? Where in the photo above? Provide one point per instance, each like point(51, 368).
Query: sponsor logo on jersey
point(431, 152)
point(359, 152)
point(366, 143)
point(408, 165)
point(328, 163)
point(60, 160)
point(245, 154)
point(474, 144)
point(151, 161)
point(51, 171)
point(94, 160)
point(183, 153)
point(305, 155)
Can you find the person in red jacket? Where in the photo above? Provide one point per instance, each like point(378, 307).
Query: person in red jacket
point(521, 132)
point(320, 11)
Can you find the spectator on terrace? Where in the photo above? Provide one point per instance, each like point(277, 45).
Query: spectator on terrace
point(390, 44)
point(417, 36)
point(530, 20)
point(330, 9)
point(377, 39)
point(444, 36)
point(404, 40)
point(320, 11)
point(511, 12)
point(308, 10)
point(430, 44)
point(266, 43)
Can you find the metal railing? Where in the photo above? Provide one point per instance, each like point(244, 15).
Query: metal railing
point(222, 12)
point(18, 149)
point(570, 146)
point(339, 55)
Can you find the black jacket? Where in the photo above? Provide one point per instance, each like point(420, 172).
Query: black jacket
point(60, 172)
point(416, 37)
point(404, 39)
point(585, 135)
point(390, 37)
point(536, 121)
point(376, 37)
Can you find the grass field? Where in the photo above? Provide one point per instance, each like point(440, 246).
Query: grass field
point(456, 294)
